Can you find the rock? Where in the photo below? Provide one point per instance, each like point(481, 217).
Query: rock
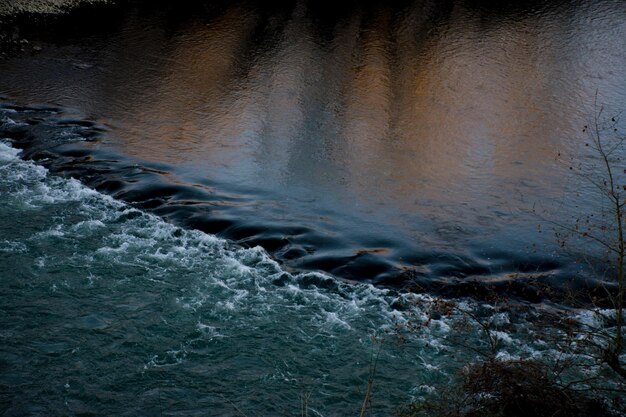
point(13, 7)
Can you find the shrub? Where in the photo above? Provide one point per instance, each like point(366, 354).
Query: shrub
point(511, 388)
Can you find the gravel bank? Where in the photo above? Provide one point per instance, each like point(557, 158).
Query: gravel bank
point(14, 7)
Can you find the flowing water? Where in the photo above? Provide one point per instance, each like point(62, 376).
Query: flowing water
point(218, 187)
point(109, 310)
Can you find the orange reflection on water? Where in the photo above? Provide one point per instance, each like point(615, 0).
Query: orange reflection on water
point(432, 109)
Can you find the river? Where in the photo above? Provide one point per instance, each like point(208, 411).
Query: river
point(230, 202)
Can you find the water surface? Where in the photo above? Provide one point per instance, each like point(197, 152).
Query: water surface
point(195, 200)
point(105, 309)
point(396, 143)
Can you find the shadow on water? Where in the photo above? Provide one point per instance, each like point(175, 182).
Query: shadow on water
point(401, 143)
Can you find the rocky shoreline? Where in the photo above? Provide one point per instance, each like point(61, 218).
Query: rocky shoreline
point(19, 19)
point(17, 7)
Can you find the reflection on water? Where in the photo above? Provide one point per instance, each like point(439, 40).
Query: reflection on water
point(405, 126)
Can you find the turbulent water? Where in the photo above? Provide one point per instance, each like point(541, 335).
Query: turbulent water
point(109, 310)
point(217, 210)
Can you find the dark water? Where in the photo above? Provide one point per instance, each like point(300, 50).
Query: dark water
point(400, 143)
point(107, 310)
point(396, 143)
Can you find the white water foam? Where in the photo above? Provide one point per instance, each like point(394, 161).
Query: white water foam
point(150, 238)
point(228, 281)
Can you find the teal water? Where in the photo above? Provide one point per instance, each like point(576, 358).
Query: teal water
point(388, 138)
point(105, 309)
